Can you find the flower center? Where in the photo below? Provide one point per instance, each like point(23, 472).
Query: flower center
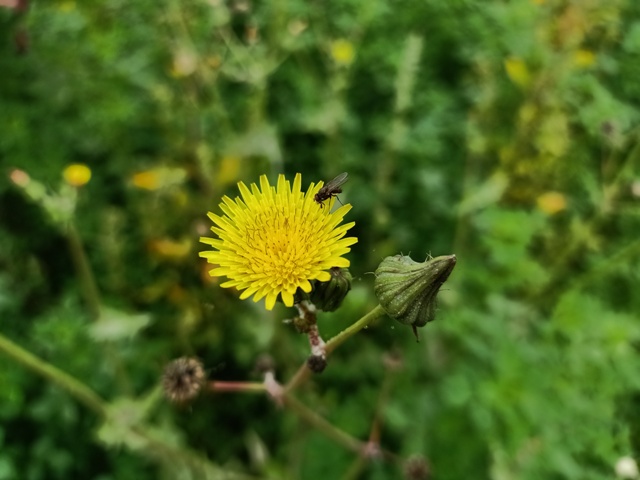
point(277, 249)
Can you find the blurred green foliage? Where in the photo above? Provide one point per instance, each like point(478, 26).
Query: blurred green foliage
point(504, 132)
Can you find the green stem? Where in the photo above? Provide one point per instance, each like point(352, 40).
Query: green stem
point(621, 257)
point(76, 388)
point(91, 295)
point(337, 340)
point(91, 400)
point(322, 425)
point(303, 372)
point(355, 470)
point(250, 387)
point(87, 281)
point(299, 408)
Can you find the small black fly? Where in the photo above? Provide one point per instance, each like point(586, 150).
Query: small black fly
point(331, 189)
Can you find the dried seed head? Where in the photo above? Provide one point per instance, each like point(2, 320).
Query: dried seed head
point(182, 379)
point(416, 468)
point(265, 364)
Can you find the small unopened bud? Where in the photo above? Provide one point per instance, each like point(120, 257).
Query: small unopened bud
point(407, 290)
point(182, 379)
point(328, 296)
point(265, 364)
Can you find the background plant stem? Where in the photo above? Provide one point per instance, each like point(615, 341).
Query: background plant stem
point(76, 388)
point(88, 286)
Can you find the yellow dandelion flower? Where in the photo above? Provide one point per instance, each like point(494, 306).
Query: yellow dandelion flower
point(552, 202)
point(517, 71)
point(147, 180)
point(584, 58)
point(275, 240)
point(170, 249)
point(185, 62)
point(77, 174)
point(343, 52)
point(160, 177)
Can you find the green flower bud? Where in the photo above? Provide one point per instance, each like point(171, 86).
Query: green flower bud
point(407, 290)
point(328, 296)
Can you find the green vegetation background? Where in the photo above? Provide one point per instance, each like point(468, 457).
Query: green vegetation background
point(504, 132)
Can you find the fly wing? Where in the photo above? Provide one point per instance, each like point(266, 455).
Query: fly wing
point(337, 182)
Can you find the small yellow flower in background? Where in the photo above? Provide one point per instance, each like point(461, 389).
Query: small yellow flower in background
point(67, 6)
point(170, 249)
point(552, 202)
point(185, 62)
point(147, 180)
point(160, 177)
point(229, 169)
point(584, 58)
point(77, 174)
point(275, 240)
point(342, 52)
point(517, 71)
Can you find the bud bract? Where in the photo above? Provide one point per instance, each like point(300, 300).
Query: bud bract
point(407, 290)
point(328, 296)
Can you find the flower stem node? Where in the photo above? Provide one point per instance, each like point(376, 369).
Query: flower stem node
point(301, 324)
point(328, 296)
point(407, 289)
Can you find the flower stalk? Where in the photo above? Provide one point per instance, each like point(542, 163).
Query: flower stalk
point(76, 388)
point(303, 372)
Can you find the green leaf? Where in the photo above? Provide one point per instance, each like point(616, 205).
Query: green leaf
point(115, 325)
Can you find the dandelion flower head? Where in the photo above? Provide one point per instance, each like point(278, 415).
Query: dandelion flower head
point(275, 240)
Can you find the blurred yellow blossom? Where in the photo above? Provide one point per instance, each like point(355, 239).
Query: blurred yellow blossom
point(160, 177)
point(229, 169)
point(214, 61)
point(67, 6)
point(527, 112)
point(517, 71)
point(77, 174)
point(342, 52)
point(552, 202)
point(170, 249)
point(147, 180)
point(584, 58)
point(185, 62)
